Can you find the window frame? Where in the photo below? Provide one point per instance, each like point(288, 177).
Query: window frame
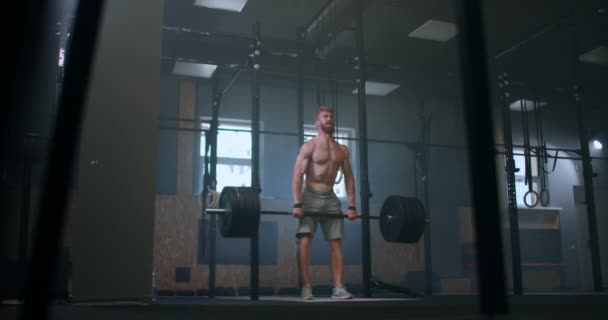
point(242, 125)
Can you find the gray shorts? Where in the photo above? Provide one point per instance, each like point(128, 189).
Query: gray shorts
point(320, 201)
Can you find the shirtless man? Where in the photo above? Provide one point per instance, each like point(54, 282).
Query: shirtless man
point(319, 159)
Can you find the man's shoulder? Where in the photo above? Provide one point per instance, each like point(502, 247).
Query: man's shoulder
point(309, 143)
point(308, 146)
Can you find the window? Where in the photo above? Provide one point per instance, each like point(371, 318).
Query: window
point(520, 177)
point(233, 153)
point(342, 137)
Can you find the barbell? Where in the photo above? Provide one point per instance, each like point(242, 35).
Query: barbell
point(402, 219)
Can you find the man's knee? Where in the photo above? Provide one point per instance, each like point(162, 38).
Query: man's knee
point(304, 240)
point(335, 244)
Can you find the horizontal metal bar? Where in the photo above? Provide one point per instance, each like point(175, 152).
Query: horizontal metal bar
point(405, 143)
point(536, 156)
point(215, 211)
point(234, 130)
point(278, 133)
point(216, 35)
point(548, 148)
point(553, 157)
point(330, 214)
point(233, 161)
point(277, 213)
point(182, 129)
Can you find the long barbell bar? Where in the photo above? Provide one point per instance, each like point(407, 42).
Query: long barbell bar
point(328, 214)
point(401, 219)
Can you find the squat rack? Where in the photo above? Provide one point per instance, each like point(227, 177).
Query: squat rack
point(360, 65)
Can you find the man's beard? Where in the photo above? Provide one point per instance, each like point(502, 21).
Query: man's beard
point(328, 129)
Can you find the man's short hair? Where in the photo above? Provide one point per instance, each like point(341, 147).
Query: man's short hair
point(321, 109)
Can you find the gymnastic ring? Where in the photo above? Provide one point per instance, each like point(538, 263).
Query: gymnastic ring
point(544, 201)
point(535, 203)
point(212, 199)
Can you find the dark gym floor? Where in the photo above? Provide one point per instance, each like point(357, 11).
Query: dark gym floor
point(529, 306)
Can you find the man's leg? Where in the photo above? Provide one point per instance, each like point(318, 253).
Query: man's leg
point(337, 266)
point(304, 241)
point(337, 261)
point(304, 258)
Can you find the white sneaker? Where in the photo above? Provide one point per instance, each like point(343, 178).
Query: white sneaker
point(341, 293)
point(306, 293)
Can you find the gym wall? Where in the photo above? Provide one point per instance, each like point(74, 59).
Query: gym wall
point(394, 117)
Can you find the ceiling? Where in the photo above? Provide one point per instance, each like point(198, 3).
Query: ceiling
point(532, 38)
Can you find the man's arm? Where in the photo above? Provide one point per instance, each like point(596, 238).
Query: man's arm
point(299, 170)
point(349, 181)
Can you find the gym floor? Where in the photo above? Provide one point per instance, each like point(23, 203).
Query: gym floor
point(529, 306)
